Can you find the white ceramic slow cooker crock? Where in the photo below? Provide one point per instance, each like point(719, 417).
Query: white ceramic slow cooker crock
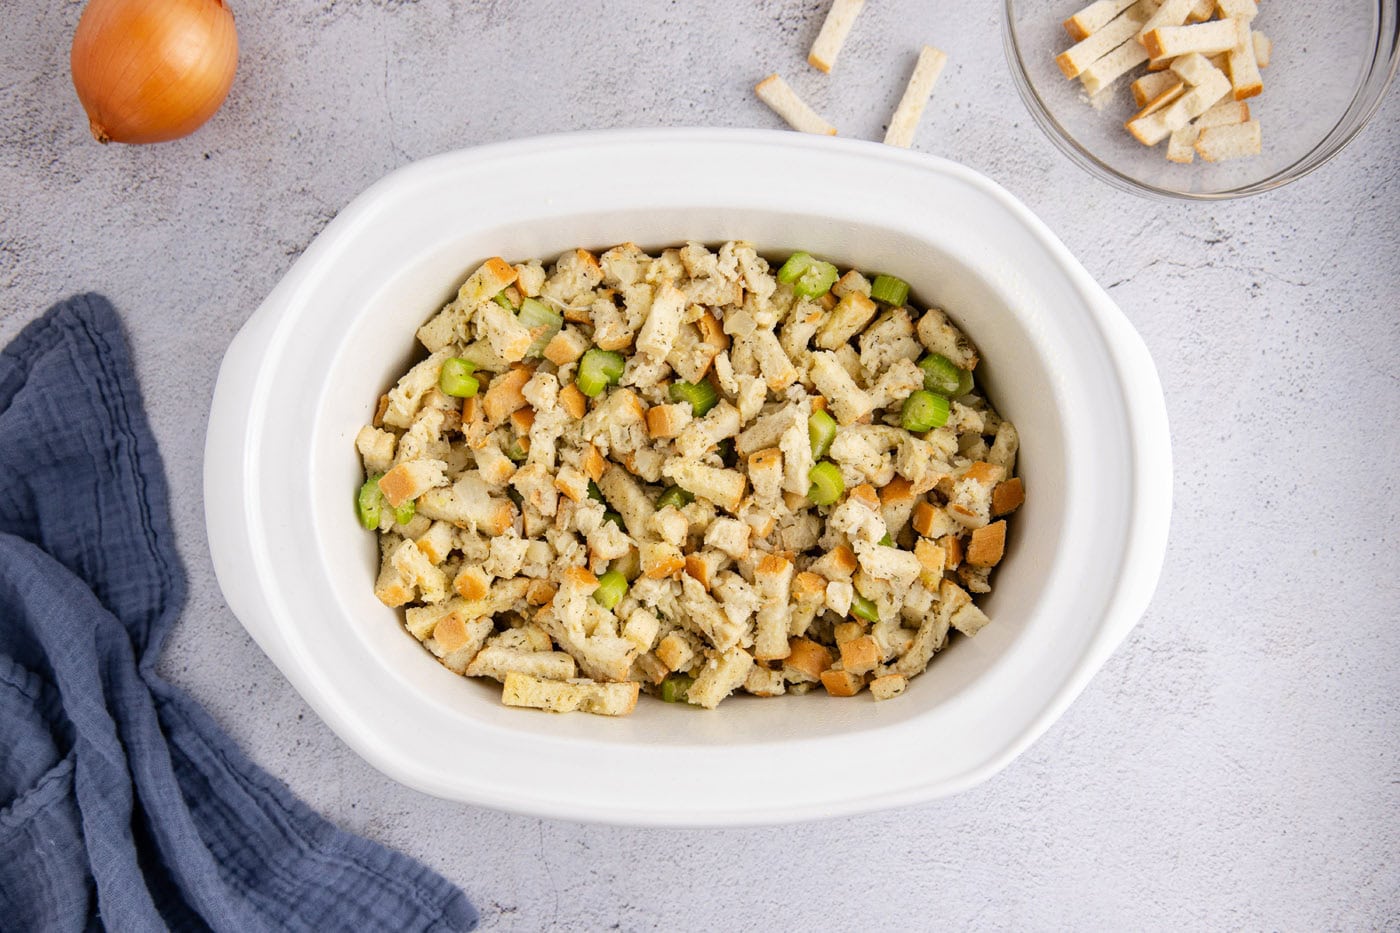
point(1060, 360)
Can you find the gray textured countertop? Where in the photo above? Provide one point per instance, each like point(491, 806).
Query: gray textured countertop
point(1236, 764)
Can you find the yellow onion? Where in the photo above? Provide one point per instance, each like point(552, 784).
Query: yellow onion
point(152, 70)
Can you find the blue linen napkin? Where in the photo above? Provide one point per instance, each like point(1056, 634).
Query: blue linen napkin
point(125, 806)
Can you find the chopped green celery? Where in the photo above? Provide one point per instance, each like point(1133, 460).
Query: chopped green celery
point(456, 378)
point(890, 290)
point(675, 496)
point(629, 564)
point(675, 687)
point(404, 513)
point(941, 375)
point(827, 485)
point(612, 586)
point(597, 370)
point(594, 492)
point(798, 263)
point(924, 411)
point(503, 301)
point(615, 518)
point(964, 383)
point(516, 451)
point(863, 608)
point(369, 501)
point(887, 541)
point(809, 277)
point(701, 396)
point(821, 429)
point(543, 321)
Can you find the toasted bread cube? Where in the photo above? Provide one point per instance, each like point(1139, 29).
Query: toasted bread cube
point(969, 620)
point(666, 421)
point(509, 339)
point(987, 545)
point(486, 282)
point(602, 699)
point(841, 683)
point(376, 447)
point(806, 660)
point(933, 560)
point(849, 402)
point(572, 483)
point(763, 682)
point(724, 488)
point(889, 686)
point(503, 396)
point(593, 463)
point(411, 479)
point(837, 564)
point(852, 313)
point(675, 651)
point(704, 566)
point(498, 663)
point(540, 592)
point(472, 583)
point(565, 347)
point(860, 655)
point(1008, 496)
point(773, 579)
point(661, 560)
point(719, 677)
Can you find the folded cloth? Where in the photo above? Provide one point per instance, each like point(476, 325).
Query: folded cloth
point(125, 806)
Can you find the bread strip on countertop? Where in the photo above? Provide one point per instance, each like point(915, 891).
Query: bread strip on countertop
point(916, 95)
point(837, 26)
point(783, 101)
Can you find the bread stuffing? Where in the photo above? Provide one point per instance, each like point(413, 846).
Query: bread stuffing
point(688, 474)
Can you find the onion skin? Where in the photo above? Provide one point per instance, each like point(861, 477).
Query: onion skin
point(148, 71)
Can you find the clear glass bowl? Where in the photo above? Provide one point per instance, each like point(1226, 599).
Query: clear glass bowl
point(1330, 68)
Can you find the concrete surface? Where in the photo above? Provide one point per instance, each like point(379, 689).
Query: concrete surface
point(1236, 765)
